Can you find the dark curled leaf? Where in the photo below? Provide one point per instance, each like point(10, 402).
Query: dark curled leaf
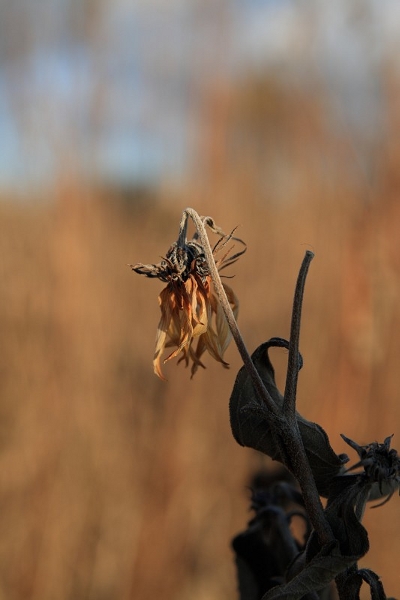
point(344, 509)
point(325, 564)
point(253, 426)
point(355, 581)
point(316, 576)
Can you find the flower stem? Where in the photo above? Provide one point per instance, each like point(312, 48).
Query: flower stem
point(183, 229)
point(288, 430)
point(219, 289)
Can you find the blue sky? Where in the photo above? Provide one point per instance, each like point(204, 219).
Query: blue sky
point(114, 94)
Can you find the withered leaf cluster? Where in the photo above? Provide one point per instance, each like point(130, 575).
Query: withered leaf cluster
point(336, 539)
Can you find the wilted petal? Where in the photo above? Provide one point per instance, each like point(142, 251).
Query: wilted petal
point(185, 333)
point(201, 312)
point(233, 301)
point(162, 329)
point(213, 345)
point(196, 354)
point(219, 340)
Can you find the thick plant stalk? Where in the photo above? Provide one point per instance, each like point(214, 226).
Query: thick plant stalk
point(219, 289)
point(290, 432)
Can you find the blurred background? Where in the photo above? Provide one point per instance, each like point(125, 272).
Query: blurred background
point(280, 117)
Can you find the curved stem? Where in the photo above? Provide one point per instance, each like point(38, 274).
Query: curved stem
point(183, 229)
point(287, 427)
point(219, 289)
point(289, 402)
point(301, 469)
point(301, 465)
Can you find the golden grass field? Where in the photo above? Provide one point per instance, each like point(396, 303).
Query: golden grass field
point(115, 485)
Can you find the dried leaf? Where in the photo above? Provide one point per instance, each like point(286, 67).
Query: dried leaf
point(316, 576)
point(355, 581)
point(254, 426)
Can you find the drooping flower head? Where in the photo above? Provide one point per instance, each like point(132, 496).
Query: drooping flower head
point(189, 307)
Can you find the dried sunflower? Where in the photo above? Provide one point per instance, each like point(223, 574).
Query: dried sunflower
point(189, 306)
